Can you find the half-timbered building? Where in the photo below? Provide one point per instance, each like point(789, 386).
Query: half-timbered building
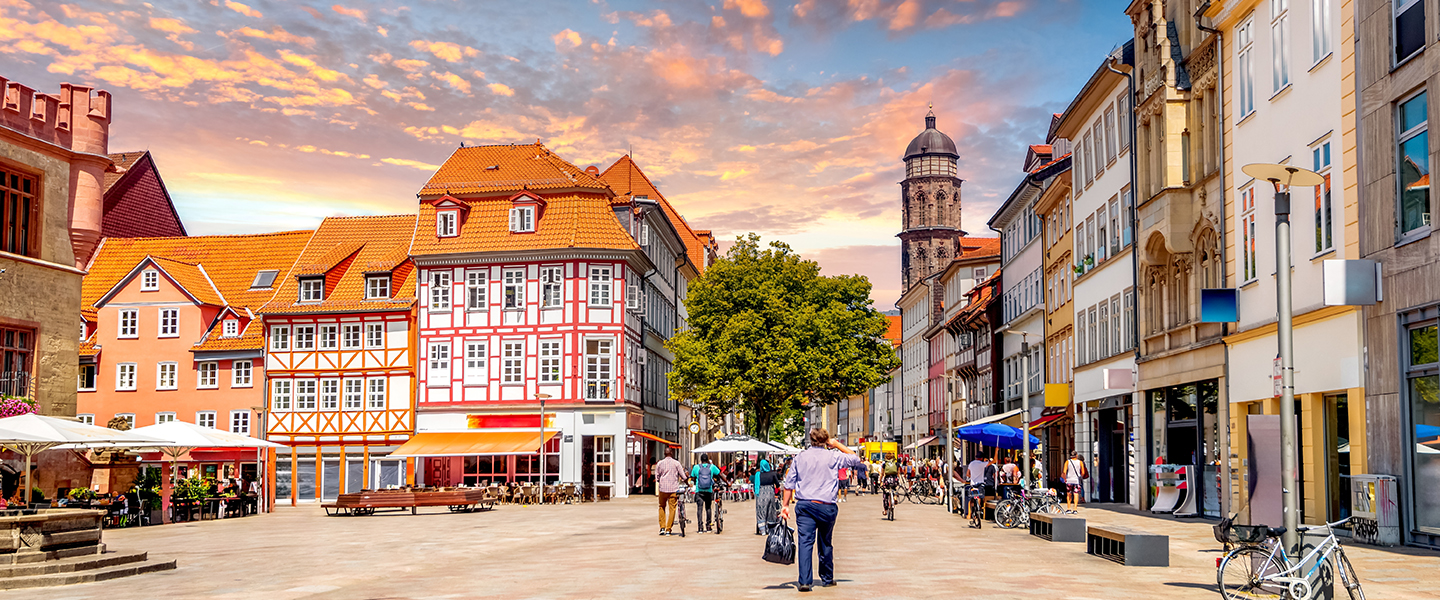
point(340, 359)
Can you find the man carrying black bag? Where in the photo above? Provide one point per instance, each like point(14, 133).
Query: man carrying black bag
point(811, 480)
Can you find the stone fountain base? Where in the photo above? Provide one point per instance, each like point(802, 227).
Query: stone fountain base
point(60, 546)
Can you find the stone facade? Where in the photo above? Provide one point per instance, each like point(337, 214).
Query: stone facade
point(930, 202)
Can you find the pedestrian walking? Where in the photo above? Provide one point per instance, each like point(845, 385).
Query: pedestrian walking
point(811, 482)
point(1075, 476)
point(704, 476)
point(765, 504)
point(843, 475)
point(669, 475)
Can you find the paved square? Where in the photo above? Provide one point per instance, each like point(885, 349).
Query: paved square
point(611, 550)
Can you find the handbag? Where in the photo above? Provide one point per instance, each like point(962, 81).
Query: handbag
point(780, 544)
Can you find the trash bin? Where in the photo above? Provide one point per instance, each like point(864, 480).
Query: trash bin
point(1375, 509)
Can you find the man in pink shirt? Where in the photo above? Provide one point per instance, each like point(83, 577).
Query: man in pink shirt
point(669, 475)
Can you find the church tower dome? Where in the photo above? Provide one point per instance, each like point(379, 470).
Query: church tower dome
point(930, 202)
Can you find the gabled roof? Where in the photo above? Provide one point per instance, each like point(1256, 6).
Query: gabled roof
point(572, 219)
point(191, 279)
point(122, 160)
point(136, 202)
point(364, 241)
point(896, 331)
point(476, 170)
point(626, 178)
point(977, 247)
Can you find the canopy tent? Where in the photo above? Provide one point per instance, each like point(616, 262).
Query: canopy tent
point(34, 434)
point(920, 442)
point(995, 435)
point(738, 443)
point(784, 448)
point(472, 443)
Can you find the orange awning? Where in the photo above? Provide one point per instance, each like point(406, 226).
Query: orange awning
point(655, 438)
point(473, 443)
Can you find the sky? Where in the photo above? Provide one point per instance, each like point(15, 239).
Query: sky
point(786, 118)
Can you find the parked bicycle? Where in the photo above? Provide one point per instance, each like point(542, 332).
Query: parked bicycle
point(975, 504)
point(1015, 511)
point(925, 491)
point(1260, 568)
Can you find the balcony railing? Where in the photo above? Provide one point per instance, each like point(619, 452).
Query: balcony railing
point(16, 383)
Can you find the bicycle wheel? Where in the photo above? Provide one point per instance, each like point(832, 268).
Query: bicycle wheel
point(977, 512)
point(719, 517)
point(1243, 571)
point(1348, 577)
point(1007, 514)
point(890, 505)
point(1050, 506)
point(682, 519)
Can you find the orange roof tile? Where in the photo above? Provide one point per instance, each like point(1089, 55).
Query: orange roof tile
point(896, 331)
point(976, 247)
point(192, 279)
point(372, 240)
point(250, 338)
point(89, 347)
point(568, 220)
point(626, 178)
point(506, 168)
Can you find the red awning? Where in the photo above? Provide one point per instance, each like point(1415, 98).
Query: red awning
point(655, 438)
point(1045, 421)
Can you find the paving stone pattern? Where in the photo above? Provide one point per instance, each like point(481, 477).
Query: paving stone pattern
point(611, 550)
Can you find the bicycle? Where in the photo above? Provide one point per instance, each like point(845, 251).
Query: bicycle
point(682, 519)
point(924, 491)
point(1262, 569)
point(719, 511)
point(888, 498)
point(975, 504)
point(1015, 511)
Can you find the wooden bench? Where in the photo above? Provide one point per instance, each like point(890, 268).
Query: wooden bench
point(1127, 546)
point(1057, 528)
point(367, 503)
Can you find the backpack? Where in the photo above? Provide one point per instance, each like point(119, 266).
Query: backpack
point(891, 468)
point(706, 479)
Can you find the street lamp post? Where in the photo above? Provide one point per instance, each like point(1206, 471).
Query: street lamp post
point(1282, 177)
point(1024, 401)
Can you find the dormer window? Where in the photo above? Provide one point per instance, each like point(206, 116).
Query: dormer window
point(312, 289)
point(149, 280)
point(522, 219)
point(377, 286)
point(230, 328)
point(445, 222)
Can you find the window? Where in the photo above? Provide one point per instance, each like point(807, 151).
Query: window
point(205, 418)
point(377, 286)
point(129, 323)
point(1422, 386)
point(604, 458)
point(87, 378)
point(329, 394)
point(512, 362)
point(349, 337)
point(354, 393)
point(374, 335)
point(1409, 28)
point(1111, 149)
point(1098, 130)
point(522, 219)
point(88, 419)
point(1085, 165)
point(551, 280)
point(475, 355)
point(169, 322)
point(475, 284)
point(514, 288)
point(1092, 324)
point(600, 286)
point(1126, 213)
point(1114, 327)
point(445, 223)
point(240, 422)
point(1320, 25)
point(1122, 111)
point(377, 393)
point(312, 289)
point(280, 394)
point(1103, 331)
point(129, 418)
point(230, 328)
point(597, 369)
point(1114, 226)
point(125, 377)
point(979, 274)
point(304, 337)
point(164, 417)
point(439, 362)
point(1128, 301)
point(280, 337)
point(149, 280)
point(305, 394)
point(1248, 270)
point(1414, 164)
point(1280, 43)
point(19, 213)
point(550, 361)
point(263, 279)
point(440, 290)
point(1245, 41)
point(240, 373)
point(209, 377)
point(1102, 228)
point(1324, 228)
point(329, 337)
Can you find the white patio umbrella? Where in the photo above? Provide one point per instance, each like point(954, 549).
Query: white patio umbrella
point(736, 443)
point(784, 448)
point(37, 433)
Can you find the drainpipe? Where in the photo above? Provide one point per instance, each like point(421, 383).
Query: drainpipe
point(1135, 278)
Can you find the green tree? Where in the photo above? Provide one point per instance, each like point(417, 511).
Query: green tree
point(769, 334)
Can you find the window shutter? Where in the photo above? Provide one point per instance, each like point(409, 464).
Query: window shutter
point(514, 219)
point(632, 295)
point(644, 234)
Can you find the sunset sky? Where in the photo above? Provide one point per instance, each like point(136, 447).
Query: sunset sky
point(783, 117)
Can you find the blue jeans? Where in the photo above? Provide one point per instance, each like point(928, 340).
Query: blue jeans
point(817, 524)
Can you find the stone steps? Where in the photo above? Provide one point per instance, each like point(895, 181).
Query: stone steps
point(86, 569)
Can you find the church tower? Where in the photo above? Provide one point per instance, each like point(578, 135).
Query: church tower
point(930, 202)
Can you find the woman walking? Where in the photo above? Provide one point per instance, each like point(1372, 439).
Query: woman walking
point(765, 504)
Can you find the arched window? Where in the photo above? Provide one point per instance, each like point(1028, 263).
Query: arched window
point(940, 208)
point(919, 213)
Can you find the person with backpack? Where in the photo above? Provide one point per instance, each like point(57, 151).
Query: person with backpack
point(1075, 476)
point(704, 476)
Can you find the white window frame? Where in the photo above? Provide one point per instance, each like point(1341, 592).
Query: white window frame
point(205, 418)
point(375, 393)
point(522, 219)
point(312, 289)
point(125, 376)
point(86, 418)
point(242, 373)
point(207, 375)
point(1324, 203)
point(446, 223)
point(440, 285)
point(438, 357)
point(149, 280)
point(512, 362)
point(129, 324)
point(230, 328)
point(351, 336)
point(377, 287)
point(1249, 263)
point(280, 338)
point(552, 287)
point(1245, 59)
point(168, 326)
point(329, 394)
point(602, 285)
point(374, 336)
point(280, 394)
point(304, 337)
point(1320, 44)
point(94, 376)
point(129, 418)
point(513, 282)
point(327, 337)
point(164, 417)
point(1280, 44)
point(240, 422)
point(1112, 149)
point(551, 353)
point(1122, 118)
point(306, 394)
point(353, 393)
point(599, 369)
point(476, 355)
point(477, 282)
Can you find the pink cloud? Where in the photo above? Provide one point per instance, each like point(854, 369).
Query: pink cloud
point(349, 12)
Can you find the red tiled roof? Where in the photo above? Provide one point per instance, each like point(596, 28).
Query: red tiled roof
point(626, 178)
point(371, 241)
point(568, 220)
point(251, 337)
point(896, 331)
point(89, 348)
point(506, 168)
point(136, 203)
point(976, 247)
point(191, 278)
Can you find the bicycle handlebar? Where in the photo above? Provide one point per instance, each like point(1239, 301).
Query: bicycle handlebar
point(1325, 526)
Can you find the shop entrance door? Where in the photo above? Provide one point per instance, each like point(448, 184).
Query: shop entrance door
point(1337, 456)
point(587, 466)
point(1112, 482)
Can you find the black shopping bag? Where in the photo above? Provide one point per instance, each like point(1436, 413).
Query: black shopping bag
point(780, 544)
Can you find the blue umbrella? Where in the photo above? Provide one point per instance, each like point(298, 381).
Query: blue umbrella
point(995, 435)
point(1423, 431)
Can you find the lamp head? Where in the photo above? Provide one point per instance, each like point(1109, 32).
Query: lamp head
point(1286, 175)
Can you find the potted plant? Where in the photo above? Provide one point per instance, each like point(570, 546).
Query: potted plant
point(12, 406)
point(148, 486)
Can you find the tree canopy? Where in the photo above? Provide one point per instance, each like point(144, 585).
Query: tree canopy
point(769, 334)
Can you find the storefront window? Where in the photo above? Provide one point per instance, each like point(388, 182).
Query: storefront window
point(1423, 375)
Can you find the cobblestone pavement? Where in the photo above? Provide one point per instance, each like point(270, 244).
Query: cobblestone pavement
point(611, 550)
